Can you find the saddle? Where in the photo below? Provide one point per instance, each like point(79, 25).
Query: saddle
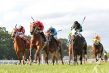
point(97, 45)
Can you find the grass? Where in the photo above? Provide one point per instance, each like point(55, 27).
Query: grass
point(44, 68)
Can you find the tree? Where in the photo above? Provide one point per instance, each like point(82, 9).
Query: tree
point(64, 46)
point(6, 45)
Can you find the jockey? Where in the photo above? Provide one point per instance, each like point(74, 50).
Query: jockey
point(97, 39)
point(52, 31)
point(40, 27)
point(20, 30)
point(76, 28)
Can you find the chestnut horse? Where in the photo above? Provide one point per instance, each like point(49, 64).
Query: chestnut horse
point(21, 46)
point(53, 48)
point(37, 42)
point(77, 46)
point(98, 50)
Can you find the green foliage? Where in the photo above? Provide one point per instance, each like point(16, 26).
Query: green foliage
point(90, 51)
point(108, 55)
point(64, 46)
point(7, 49)
point(6, 45)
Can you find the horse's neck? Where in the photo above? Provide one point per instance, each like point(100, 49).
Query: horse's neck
point(78, 40)
point(18, 40)
point(37, 37)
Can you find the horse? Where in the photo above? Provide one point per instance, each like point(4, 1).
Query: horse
point(21, 46)
point(98, 50)
point(77, 46)
point(36, 43)
point(53, 48)
point(105, 56)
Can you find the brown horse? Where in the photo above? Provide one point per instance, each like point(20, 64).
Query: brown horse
point(37, 42)
point(21, 46)
point(98, 50)
point(77, 46)
point(53, 48)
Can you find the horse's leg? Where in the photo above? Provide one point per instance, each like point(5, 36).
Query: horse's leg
point(23, 57)
point(81, 59)
point(38, 54)
point(30, 60)
point(75, 58)
point(18, 55)
point(97, 56)
point(102, 55)
point(61, 55)
point(27, 59)
point(85, 53)
point(46, 54)
point(35, 57)
point(46, 57)
point(70, 55)
point(57, 56)
point(85, 58)
point(53, 59)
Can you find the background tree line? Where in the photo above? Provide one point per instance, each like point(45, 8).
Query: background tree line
point(7, 49)
point(6, 45)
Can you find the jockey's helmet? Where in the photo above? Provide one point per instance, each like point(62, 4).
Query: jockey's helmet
point(75, 22)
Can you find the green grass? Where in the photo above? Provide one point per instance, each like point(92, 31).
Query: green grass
point(35, 68)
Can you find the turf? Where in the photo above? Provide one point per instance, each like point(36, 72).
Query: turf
point(44, 68)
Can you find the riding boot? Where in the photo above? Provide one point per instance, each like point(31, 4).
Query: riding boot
point(42, 34)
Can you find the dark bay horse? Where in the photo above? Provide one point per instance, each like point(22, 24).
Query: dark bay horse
point(37, 42)
point(105, 56)
point(21, 46)
point(53, 48)
point(98, 50)
point(78, 46)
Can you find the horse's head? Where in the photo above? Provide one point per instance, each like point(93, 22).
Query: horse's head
point(33, 29)
point(13, 33)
